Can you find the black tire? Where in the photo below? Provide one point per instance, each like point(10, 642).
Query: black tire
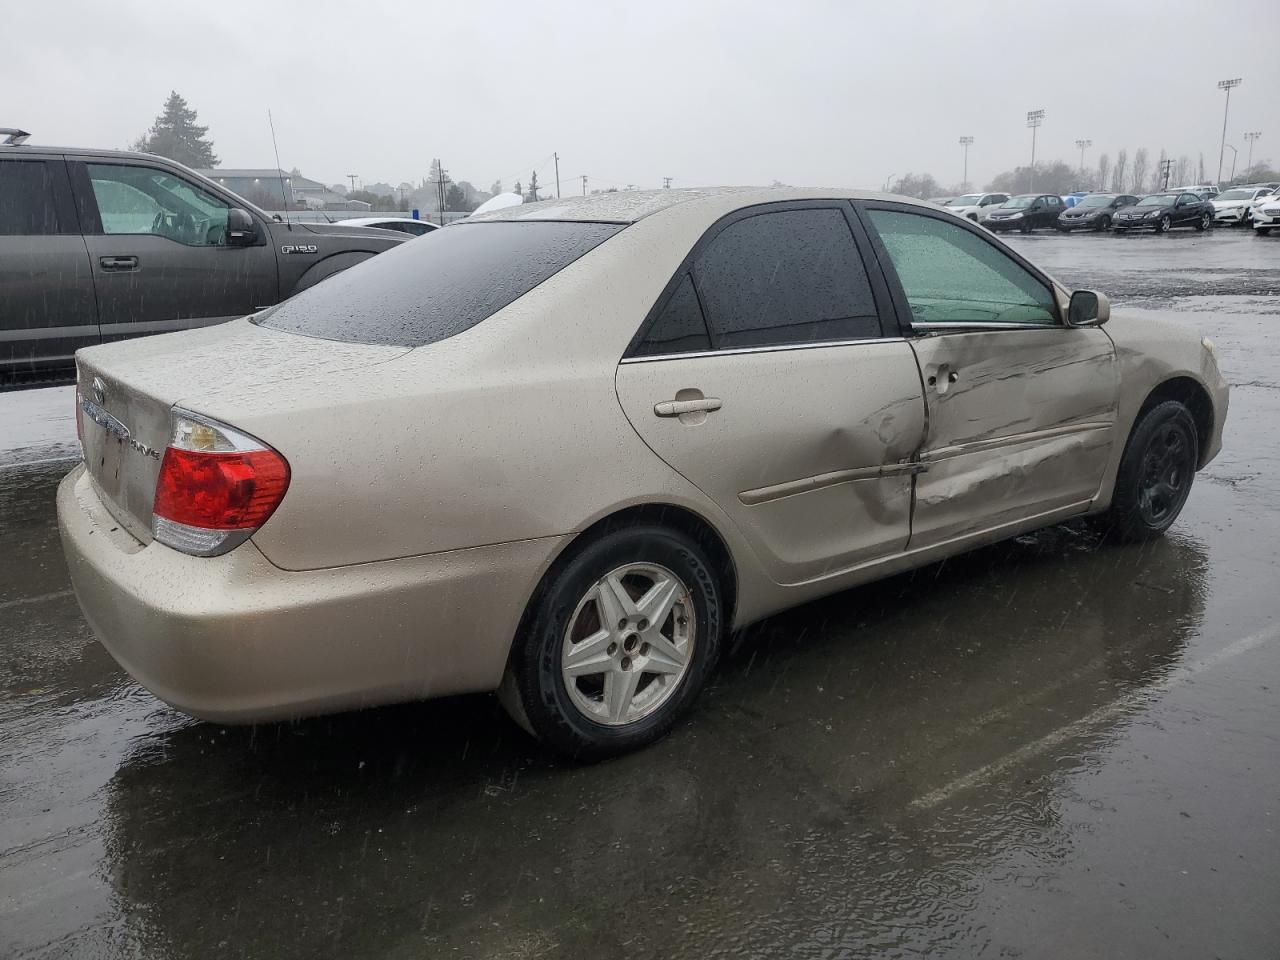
point(1104, 223)
point(1262, 231)
point(1203, 223)
point(1155, 475)
point(1025, 228)
point(534, 690)
point(1163, 224)
point(1118, 229)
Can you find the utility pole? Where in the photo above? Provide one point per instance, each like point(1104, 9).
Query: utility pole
point(965, 142)
point(352, 178)
point(1166, 167)
point(1235, 155)
point(1250, 137)
point(1034, 119)
point(886, 182)
point(442, 177)
point(1083, 145)
point(584, 184)
point(533, 186)
point(1226, 85)
point(666, 183)
point(557, 156)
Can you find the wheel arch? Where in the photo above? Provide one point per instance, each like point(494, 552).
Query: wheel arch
point(1191, 394)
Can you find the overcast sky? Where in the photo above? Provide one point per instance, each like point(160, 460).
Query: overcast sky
point(809, 93)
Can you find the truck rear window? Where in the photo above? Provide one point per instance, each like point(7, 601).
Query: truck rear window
point(438, 285)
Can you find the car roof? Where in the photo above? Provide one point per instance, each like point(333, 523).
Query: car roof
point(628, 206)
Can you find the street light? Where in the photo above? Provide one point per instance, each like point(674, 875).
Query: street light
point(965, 142)
point(1083, 145)
point(1226, 85)
point(1034, 119)
point(886, 181)
point(1251, 136)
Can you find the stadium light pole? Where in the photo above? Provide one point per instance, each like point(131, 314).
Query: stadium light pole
point(1083, 145)
point(1250, 137)
point(1034, 119)
point(965, 142)
point(1226, 85)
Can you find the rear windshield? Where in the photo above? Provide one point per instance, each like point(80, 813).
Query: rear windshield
point(438, 285)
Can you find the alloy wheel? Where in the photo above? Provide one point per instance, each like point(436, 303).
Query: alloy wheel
point(1165, 223)
point(628, 644)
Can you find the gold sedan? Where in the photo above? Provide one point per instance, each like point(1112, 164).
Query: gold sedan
point(562, 449)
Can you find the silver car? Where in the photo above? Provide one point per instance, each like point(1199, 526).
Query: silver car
point(561, 450)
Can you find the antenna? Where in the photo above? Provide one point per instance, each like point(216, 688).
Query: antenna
point(284, 196)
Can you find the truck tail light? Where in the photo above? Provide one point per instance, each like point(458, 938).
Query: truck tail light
point(216, 486)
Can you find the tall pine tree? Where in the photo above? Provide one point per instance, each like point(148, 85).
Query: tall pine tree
point(176, 135)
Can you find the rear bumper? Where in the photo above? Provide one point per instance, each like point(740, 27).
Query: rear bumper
point(236, 639)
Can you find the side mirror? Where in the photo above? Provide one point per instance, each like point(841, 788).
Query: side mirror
point(241, 230)
point(1088, 309)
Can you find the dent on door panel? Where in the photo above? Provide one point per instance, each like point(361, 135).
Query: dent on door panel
point(808, 452)
point(1025, 428)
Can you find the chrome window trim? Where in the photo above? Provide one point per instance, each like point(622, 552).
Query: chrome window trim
point(965, 325)
point(775, 348)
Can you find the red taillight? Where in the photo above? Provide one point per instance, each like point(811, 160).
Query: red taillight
point(233, 490)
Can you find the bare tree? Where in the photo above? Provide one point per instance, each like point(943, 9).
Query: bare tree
point(1104, 171)
point(1200, 179)
point(1117, 178)
point(1139, 177)
point(1181, 170)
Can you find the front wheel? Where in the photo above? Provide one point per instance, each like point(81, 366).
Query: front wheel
point(1025, 228)
point(1203, 223)
point(1262, 231)
point(1155, 474)
point(1104, 223)
point(617, 644)
point(1164, 224)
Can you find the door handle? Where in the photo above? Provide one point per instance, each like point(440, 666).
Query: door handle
point(942, 380)
point(675, 408)
point(119, 263)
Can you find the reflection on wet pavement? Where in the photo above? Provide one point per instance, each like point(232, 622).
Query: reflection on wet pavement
point(1050, 747)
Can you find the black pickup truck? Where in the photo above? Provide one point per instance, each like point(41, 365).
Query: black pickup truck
point(101, 245)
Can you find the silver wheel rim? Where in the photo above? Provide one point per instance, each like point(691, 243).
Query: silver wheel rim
point(628, 644)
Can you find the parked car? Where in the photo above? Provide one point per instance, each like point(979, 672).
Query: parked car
point(564, 449)
point(1203, 191)
point(1094, 212)
point(415, 228)
point(1232, 207)
point(1025, 213)
point(973, 206)
point(102, 245)
point(1164, 211)
point(1266, 215)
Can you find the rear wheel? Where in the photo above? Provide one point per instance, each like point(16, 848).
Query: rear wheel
point(1155, 474)
point(617, 645)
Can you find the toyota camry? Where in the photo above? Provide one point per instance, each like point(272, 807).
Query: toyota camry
point(561, 450)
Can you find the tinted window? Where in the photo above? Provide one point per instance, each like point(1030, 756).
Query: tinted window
point(147, 200)
point(680, 327)
point(443, 283)
point(788, 277)
point(952, 275)
point(27, 205)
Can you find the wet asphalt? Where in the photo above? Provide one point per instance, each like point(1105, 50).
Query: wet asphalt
point(1048, 748)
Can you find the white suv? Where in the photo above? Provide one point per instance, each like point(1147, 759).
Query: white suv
point(975, 206)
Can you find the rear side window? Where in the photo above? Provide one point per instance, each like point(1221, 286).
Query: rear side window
point(445, 282)
point(679, 328)
point(793, 276)
point(27, 202)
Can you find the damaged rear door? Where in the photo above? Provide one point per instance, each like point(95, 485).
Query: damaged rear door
point(1021, 408)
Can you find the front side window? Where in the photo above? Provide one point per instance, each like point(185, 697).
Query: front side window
point(950, 275)
point(146, 200)
point(443, 283)
point(786, 277)
point(27, 203)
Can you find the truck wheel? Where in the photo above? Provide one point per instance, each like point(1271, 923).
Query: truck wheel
point(1155, 474)
point(617, 645)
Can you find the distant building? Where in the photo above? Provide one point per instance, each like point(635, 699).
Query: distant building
point(269, 188)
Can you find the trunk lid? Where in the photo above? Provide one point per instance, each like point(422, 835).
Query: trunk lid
point(128, 389)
